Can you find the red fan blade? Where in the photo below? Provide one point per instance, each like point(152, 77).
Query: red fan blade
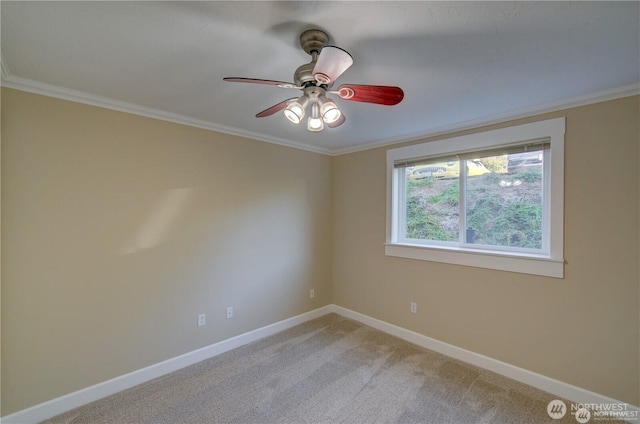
point(261, 81)
point(379, 94)
point(332, 62)
point(339, 122)
point(275, 108)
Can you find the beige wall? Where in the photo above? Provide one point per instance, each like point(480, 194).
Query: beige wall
point(582, 330)
point(118, 230)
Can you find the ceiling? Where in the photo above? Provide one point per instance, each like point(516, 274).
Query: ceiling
point(460, 64)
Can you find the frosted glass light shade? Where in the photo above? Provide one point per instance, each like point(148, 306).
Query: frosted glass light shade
point(330, 112)
point(315, 124)
point(294, 112)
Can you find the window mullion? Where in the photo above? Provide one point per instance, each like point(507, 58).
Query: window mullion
point(462, 201)
point(402, 204)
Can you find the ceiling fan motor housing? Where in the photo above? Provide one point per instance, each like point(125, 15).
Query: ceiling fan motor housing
point(313, 40)
point(302, 77)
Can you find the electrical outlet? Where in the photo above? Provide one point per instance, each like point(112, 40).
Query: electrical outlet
point(312, 293)
point(414, 308)
point(230, 312)
point(202, 320)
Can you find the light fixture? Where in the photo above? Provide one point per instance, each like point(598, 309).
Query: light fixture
point(295, 110)
point(315, 121)
point(328, 110)
point(323, 110)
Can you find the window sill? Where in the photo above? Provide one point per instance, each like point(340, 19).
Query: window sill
point(521, 263)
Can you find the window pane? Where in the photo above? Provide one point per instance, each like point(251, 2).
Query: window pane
point(432, 202)
point(504, 206)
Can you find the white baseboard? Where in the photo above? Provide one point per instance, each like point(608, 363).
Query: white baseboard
point(62, 404)
point(555, 387)
point(65, 403)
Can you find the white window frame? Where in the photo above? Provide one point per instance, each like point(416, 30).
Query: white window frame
point(549, 262)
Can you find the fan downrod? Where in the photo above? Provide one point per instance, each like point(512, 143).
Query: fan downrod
point(313, 40)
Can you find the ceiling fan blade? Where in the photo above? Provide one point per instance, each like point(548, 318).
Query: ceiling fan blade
point(378, 94)
point(331, 63)
point(261, 81)
point(339, 122)
point(275, 108)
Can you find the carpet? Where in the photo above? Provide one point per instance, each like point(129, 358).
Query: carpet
point(329, 370)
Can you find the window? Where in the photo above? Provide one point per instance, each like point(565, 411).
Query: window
point(490, 200)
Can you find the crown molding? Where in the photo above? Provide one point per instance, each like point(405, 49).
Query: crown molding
point(36, 87)
point(31, 86)
point(596, 97)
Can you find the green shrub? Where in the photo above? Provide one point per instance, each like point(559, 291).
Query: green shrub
point(425, 182)
point(450, 196)
point(512, 224)
point(531, 175)
point(421, 225)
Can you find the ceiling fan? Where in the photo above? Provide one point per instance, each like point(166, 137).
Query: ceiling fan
point(316, 78)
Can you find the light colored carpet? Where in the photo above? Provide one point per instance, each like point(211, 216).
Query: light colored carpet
point(329, 370)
